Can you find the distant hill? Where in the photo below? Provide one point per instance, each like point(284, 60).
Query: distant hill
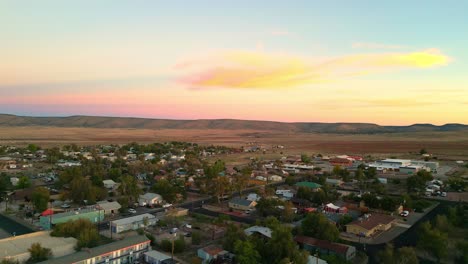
point(227, 124)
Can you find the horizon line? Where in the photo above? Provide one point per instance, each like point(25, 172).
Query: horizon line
point(235, 119)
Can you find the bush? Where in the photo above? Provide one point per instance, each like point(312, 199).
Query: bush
point(81, 229)
point(420, 205)
point(166, 245)
point(179, 245)
point(140, 231)
point(196, 238)
point(152, 238)
point(396, 181)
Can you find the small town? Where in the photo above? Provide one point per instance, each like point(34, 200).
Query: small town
point(179, 202)
point(233, 132)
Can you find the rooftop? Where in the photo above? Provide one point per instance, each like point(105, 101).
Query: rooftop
point(241, 201)
point(150, 196)
point(105, 205)
point(132, 219)
point(18, 245)
point(157, 255)
point(373, 221)
point(265, 231)
point(212, 250)
point(323, 244)
point(101, 250)
point(396, 160)
point(312, 185)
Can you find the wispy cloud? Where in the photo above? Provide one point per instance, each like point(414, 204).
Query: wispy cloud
point(240, 69)
point(280, 33)
point(373, 45)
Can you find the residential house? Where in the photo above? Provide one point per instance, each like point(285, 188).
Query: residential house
point(253, 197)
point(370, 224)
point(275, 178)
point(334, 182)
point(331, 208)
point(258, 230)
point(312, 185)
point(109, 184)
point(150, 199)
point(211, 252)
point(311, 244)
point(241, 204)
point(109, 208)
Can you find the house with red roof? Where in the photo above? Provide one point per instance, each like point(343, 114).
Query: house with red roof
point(311, 244)
point(370, 224)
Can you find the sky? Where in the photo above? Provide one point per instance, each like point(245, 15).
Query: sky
point(385, 62)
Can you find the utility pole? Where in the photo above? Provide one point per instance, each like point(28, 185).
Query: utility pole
point(172, 252)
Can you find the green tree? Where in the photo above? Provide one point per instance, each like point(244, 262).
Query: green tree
point(432, 240)
point(442, 223)
point(40, 198)
point(246, 253)
point(82, 229)
point(23, 182)
point(129, 187)
point(241, 182)
point(344, 220)
point(406, 255)
point(386, 256)
point(196, 238)
point(33, 148)
point(317, 225)
point(38, 253)
point(305, 158)
point(167, 190)
point(281, 246)
point(233, 234)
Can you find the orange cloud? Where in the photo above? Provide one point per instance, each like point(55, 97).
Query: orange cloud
point(262, 70)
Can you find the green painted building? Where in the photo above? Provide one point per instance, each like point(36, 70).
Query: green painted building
point(93, 214)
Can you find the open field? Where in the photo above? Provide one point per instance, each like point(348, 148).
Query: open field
point(451, 144)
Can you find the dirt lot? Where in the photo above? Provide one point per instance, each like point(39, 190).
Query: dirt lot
point(451, 144)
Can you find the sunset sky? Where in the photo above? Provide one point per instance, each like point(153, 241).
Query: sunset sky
point(384, 62)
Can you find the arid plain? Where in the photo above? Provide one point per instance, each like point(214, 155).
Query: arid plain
point(451, 145)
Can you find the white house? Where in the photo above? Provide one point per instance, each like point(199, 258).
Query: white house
point(14, 181)
point(133, 223)
point(264, 231)
point(275, 178)
point(253, 197)
point(149, 199)
point(109, 207)
point(109, 184)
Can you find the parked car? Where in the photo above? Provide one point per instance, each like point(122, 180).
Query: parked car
point(443, 194)
point(167, 205)
point(174, 230)
point(188, 226)
point(132, 211)
point(65, 205)
point(188, 234)
point(404, 213)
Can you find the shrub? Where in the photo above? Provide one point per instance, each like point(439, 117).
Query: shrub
point(196, 238)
